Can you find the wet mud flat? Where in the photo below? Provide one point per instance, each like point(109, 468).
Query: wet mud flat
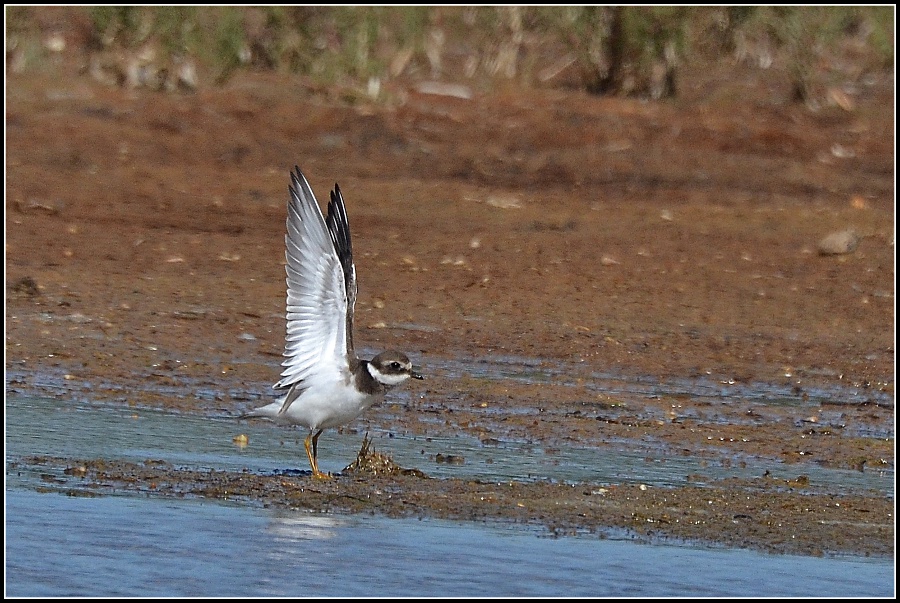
point(766, 474)
point(774, 515)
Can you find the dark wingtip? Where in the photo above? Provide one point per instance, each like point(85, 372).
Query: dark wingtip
point(336, 193)
point(297, 179)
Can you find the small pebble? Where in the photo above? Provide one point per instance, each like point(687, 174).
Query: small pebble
point(837, 243)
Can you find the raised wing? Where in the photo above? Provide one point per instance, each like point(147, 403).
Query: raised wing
point(317, 298)
point(340, 235)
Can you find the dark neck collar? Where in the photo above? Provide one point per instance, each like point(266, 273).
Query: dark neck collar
point(363, 379)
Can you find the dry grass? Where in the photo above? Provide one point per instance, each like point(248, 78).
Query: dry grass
point(626, 51)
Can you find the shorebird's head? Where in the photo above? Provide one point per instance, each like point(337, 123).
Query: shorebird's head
point(392, 368)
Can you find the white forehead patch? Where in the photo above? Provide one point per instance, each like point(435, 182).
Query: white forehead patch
point(386, 379)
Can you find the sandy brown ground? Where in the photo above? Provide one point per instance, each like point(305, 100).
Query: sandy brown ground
point(610, 237)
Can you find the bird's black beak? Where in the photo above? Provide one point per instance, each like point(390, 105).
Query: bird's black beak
point(415, 374)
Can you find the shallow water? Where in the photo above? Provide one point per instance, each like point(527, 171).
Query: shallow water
point(55, 427)
point(135, 546)
point(129, 546)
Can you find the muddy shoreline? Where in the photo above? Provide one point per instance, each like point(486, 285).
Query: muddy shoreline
point(765, 514)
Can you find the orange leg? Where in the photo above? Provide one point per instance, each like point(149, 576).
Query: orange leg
point(311, 443)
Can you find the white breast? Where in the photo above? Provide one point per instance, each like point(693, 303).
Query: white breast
point(321, 407)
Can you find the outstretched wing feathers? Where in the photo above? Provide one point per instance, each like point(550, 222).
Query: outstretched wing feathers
point(339, 227)
point(319, 259)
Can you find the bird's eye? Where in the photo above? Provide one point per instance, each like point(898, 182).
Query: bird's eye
point(395, 365)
